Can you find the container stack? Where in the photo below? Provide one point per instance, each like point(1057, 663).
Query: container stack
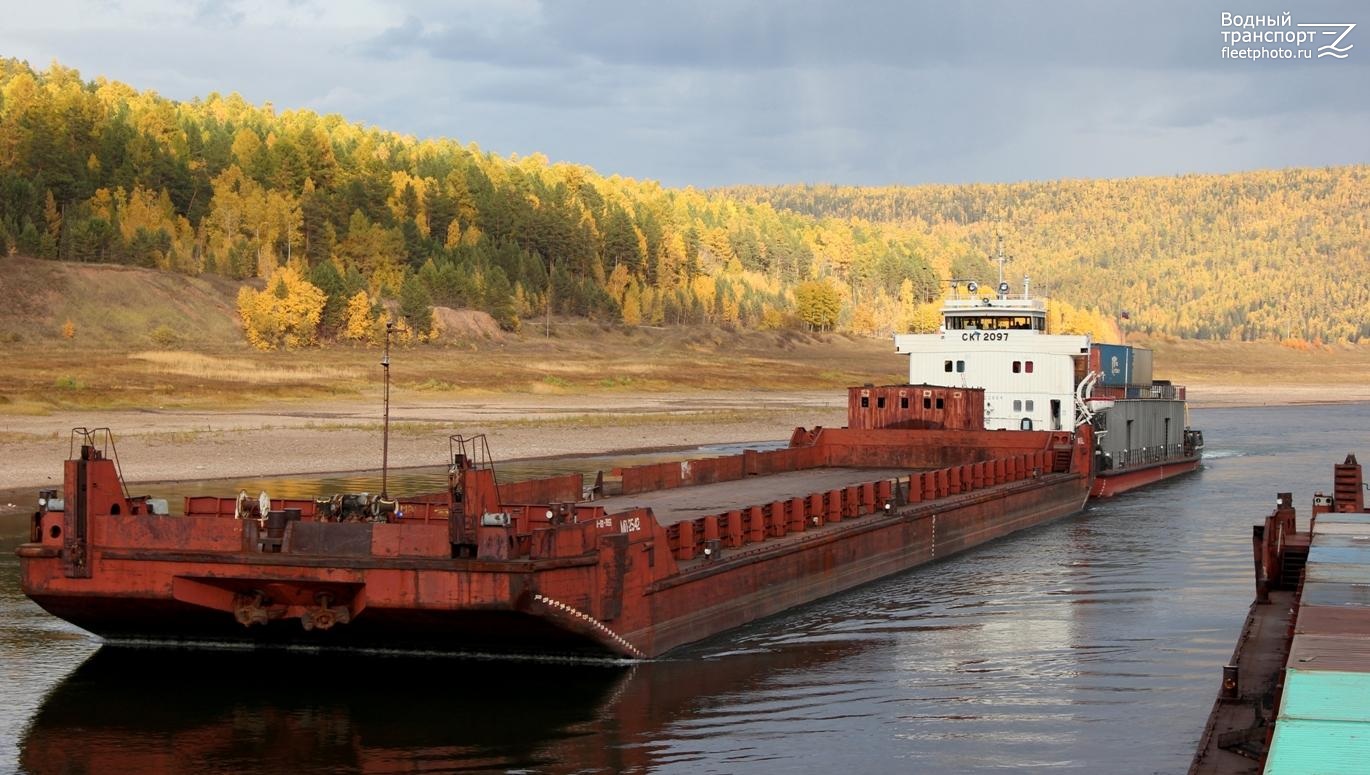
point(1124, 372)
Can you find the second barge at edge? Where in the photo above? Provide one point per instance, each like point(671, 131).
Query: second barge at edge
point(681, 551)
point(1295, 696)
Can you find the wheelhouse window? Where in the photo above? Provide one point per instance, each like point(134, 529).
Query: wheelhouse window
point(996, 323)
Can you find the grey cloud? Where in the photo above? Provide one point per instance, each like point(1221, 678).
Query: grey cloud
point(729, 34)
point(810, 90)
point(460, 39)
point(217, 13)
point(569, 90)
point(1244, 95)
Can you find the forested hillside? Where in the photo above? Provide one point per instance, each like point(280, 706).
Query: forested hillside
point(367, 225)
point(1255, 255)
point(335, 229)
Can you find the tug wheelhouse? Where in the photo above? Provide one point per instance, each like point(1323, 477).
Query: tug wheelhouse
point(1001, 345)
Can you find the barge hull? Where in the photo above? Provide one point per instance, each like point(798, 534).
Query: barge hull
point(528, 613)
point(1115, 482)
point(697, 605)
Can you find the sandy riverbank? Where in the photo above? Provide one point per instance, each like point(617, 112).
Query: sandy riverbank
point(346, 436)
point(1216, 395)
point(156, 445)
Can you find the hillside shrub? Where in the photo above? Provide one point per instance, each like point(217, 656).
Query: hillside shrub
point(285, 314)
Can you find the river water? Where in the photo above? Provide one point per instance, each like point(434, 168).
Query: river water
point(1093, 644)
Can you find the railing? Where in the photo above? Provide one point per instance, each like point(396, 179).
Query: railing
point(665, 476)
point(706, 536)
point(1131, 458)
point(1121, 392)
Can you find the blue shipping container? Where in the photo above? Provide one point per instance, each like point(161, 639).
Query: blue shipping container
point(1324, 724)
point(1115, 361)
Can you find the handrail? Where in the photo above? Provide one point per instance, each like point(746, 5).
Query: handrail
point(107, 449)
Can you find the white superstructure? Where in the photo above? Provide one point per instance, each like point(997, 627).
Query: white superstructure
point(1000, 344)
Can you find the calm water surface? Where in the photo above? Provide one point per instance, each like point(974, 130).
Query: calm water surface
point(1089, 645)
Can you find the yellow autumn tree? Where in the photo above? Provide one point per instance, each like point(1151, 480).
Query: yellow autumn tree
point(618, 281)
point(632, 305)
point(864, 320)
point(1062, 318)
point(818, 303)
point(284, 314)
point(926, 319)
point(358, 320)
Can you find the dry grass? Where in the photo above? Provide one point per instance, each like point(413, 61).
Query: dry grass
point(244, 370)
point(111, 363)
point(13, 437)
point(580, 358)
point(1258, 364)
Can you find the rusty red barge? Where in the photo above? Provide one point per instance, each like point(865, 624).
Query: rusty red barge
point(669, 554)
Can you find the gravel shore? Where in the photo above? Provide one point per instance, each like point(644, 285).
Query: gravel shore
point(157, 445)
point(163, 445)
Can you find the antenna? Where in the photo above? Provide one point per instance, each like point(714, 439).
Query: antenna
point(385, 433)
point(1001, 258)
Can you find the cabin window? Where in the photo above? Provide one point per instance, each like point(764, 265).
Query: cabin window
point(880, 402)
point(1028, 404)
point(995, 322)
point(865, 402)
point(903, 402)
point(946, 365)
point(939, 403)
point(960, 366)
point(1027, 366)
point(927, 402)
point(1017, 404)
point(1017, 367)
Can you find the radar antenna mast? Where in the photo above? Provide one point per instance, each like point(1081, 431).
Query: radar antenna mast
point(1001, 258)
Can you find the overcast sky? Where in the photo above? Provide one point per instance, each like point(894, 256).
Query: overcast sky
point(714, 92)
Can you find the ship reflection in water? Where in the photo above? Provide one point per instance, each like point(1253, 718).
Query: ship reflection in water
point(135, 710)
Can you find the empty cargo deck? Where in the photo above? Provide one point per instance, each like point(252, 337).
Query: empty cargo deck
point(688, 502)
